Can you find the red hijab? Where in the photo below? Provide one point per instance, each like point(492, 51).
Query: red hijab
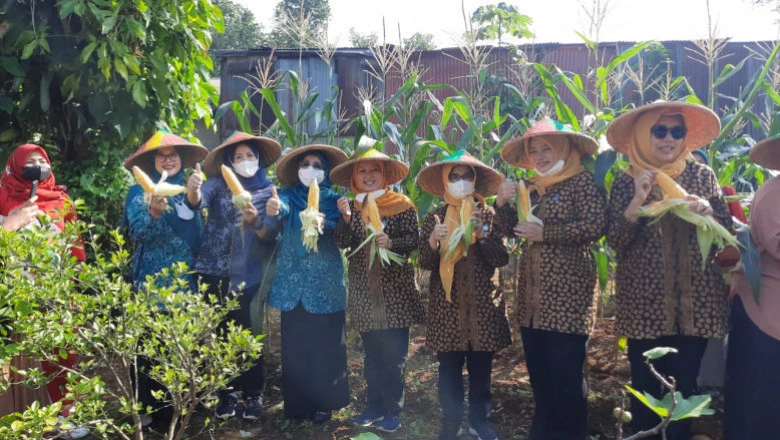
point(15, 190)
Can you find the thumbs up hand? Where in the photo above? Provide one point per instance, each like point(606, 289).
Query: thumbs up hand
point(273, 204)
point(196, 180)
point(438, 233)
point(506, 192)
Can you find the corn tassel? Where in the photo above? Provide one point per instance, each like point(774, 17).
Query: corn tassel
point(670, 188)
point(241, 197)
point(311, 219)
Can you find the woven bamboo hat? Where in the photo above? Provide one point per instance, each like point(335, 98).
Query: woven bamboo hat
point(287, 168)
point(514, 150)
point(702, 123)
point(268, 149)
point(487, 182)
point(394, 170)
point(142, 158)
point(767, 153)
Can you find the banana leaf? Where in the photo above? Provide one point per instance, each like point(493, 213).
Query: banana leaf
point(751, 260)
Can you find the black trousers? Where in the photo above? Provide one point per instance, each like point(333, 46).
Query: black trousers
point(384, 368)
point(752, 380)
point(252, 381)
point(683, 366)
point(555, 365)
point(479, 365)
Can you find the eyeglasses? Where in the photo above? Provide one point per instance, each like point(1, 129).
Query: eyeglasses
point(660, 131)
point(454, 177)
point(167, 157)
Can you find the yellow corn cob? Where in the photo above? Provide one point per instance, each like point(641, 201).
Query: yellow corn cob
point(232, 181)
point(314, 196)
point(372, 213)
point(670, 188)
point(144, 180)
point(523, 201)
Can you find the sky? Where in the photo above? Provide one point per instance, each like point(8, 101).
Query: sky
point(554, 20)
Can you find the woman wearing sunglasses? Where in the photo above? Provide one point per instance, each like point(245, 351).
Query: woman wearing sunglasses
point(555, 304)
point(466, 315)
point(666, 296)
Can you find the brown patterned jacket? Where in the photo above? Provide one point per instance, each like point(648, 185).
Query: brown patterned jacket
point(381, 297)
point(557, 276)
point(661, 289)
point(476, 317)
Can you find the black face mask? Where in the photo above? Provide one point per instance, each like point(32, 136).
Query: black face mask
point(35, 172)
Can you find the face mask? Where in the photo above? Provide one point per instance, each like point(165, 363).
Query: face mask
point(362, 196)
point(460, 189)
point(247, 168)
point(309, 174)
point(36, 172)
point(554, 170)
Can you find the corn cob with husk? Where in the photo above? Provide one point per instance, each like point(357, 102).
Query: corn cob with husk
point(463, 235)
point(311, 219)
point(708, 230)
point(241, 197)
point(524, 208)
point(374, 227)
point(161, 188)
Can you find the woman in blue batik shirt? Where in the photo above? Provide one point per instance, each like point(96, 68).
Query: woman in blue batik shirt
point(309, 290)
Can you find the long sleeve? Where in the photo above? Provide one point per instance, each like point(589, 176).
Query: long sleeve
point(491, 249)
point(143, 227)
point(620, 230)
point(350, 234)
point(267, 226)
point(590, 207)
point(409, 239)
point(505, 220)
point(429, 258)
point(765, 225)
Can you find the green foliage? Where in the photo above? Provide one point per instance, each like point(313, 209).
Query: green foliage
point(242, 31)
point(419, 41)
point(500, 20)
point(55, 306)
point(299, 22)
point(356, 39)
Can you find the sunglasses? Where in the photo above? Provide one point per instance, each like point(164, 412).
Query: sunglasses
point(454, 177)
point(660, 131)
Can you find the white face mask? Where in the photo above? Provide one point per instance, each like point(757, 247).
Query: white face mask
point(247, 168)
point(461, 188)
point(362, 196)
point(554, 170)
point(309, 174)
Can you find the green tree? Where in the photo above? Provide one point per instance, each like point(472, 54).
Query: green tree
point(495, 22)
point(91, 80)
point(356, 39)
point(242, 31)
point(419, 41)
point(299, 23)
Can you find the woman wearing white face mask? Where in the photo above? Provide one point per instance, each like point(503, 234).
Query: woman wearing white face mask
point(466, 315)
point(555, 302)
point(308, 288)
point(238, 247)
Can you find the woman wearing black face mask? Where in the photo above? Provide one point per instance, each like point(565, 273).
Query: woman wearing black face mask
point(26, 165)
point(237, 247)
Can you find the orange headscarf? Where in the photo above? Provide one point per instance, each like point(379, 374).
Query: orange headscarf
point(572, 158)
point(389, 204)
point(640, 154)
point(452, 220)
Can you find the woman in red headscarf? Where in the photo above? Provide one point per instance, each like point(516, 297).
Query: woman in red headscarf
point(29, 166)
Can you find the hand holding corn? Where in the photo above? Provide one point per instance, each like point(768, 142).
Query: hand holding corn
point(383, 240)
point(532, 232)
point(438, 233)
point(699, 205)
point(157, 206)
point(643, 183)
point(476, 217)
point(249, 214)
point(344, 209)
point(273, 204)
point(506, 192)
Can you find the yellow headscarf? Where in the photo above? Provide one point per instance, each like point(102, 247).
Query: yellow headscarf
point(640, 154)
point(563, 149)
point(452, 220)
point(389, 204)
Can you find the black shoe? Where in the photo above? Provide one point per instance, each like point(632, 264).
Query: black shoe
point(226, 407)
point(322, 416)
point(450, 431)
point(253, 408)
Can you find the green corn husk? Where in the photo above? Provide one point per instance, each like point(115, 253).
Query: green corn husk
point(708, 230)
point(461, 237)
point(386, 256)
